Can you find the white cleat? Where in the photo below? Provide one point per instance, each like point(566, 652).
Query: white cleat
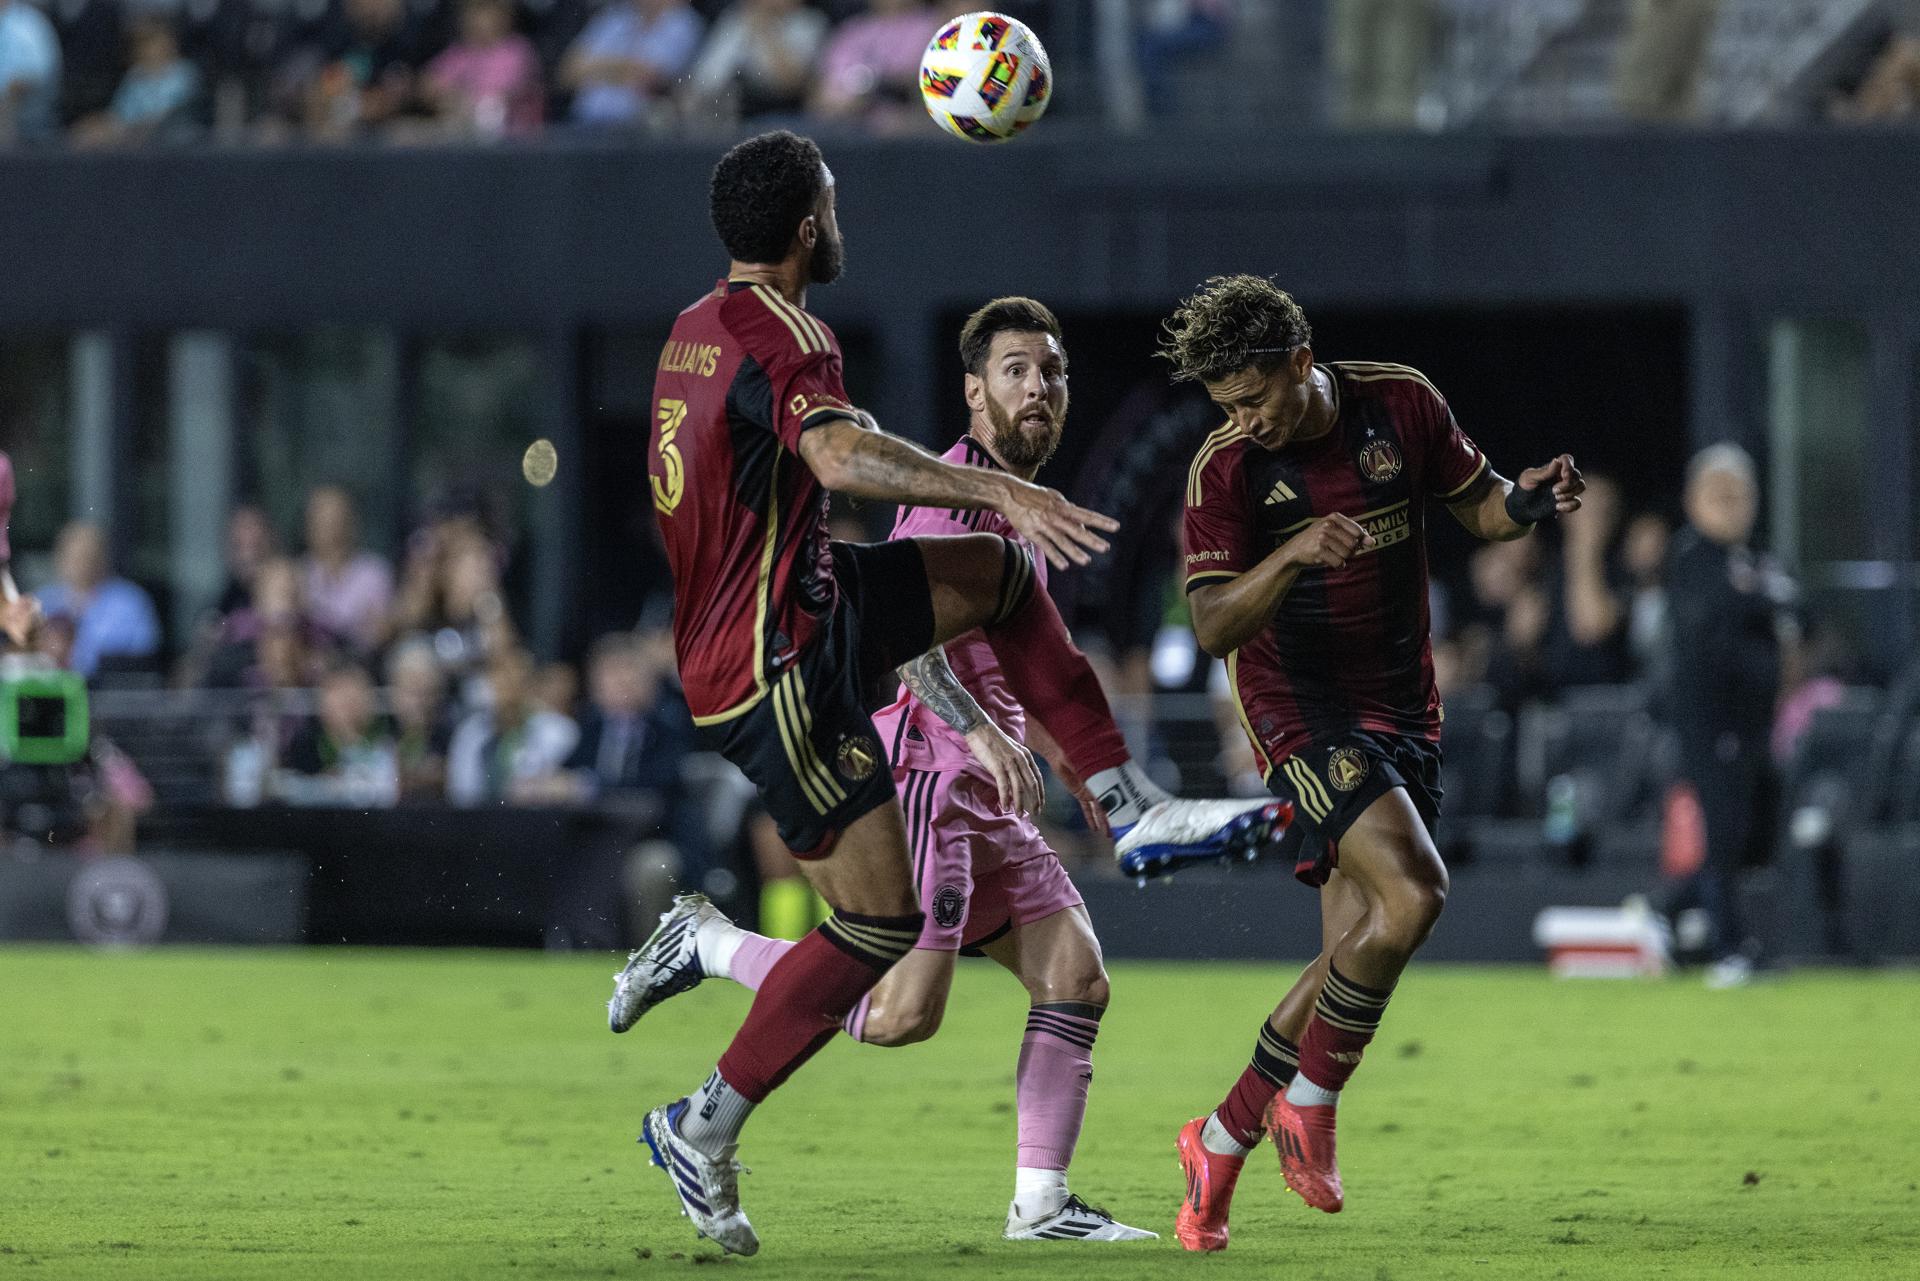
point(1175, 833)
point(708, 1188)
point(1074, 1221)
point(667, 964)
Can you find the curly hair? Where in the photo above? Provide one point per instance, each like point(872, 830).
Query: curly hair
point(1003, 315)
point(761, 190)
point(1229, 323)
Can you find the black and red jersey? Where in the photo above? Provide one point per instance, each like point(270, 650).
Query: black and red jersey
point(1348, 648)
point(744, 373)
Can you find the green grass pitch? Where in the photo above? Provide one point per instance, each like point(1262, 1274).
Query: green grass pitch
point(348, 1114)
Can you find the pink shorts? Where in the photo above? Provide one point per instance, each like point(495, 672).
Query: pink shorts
point(979, 872)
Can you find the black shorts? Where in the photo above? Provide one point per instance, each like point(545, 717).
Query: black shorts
point(1331, 783)
point(809, 746)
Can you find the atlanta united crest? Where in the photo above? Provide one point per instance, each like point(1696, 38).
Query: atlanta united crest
point(1379, 461)
point(1346, 768)
point(857, 759)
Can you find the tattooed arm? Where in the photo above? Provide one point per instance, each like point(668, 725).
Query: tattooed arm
point(854, 457)
point(930, 678)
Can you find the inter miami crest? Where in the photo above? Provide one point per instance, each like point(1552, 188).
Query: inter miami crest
point(1346, 768)
point(949, 906)
point(857, 758)
point(1379, 461)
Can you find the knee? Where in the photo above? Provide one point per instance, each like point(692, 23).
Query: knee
point(1412, 911)
point(904, 1024)
point(1085, 983)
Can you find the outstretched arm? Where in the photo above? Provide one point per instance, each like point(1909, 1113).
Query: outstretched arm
point(1015, 777)
point(856, 458)
point(1506, 509)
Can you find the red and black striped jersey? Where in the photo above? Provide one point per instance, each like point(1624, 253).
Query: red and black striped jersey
point(744, 373)
point(1347, 648)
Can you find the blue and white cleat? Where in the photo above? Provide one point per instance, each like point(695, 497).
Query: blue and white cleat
point(708, 1188)
point(1176, 833)
point(667, 964)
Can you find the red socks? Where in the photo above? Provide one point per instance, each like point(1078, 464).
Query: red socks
point(808, 992)
point(1275, 1059)
point(1344, 1020)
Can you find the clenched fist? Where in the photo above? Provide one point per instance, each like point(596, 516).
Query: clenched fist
point(1328, 543)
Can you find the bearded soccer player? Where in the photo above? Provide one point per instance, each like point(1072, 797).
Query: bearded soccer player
point(1307, 570)
point(779, 630)
point(985, 876)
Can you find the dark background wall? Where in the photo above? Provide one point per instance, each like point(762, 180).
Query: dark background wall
point(1610, 294)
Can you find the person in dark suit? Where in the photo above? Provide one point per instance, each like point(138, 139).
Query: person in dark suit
point(1726, 606)
point(627, 763)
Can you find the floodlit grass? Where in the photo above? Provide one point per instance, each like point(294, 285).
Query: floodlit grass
point(350, 1114)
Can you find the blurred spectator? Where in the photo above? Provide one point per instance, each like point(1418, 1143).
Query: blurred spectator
point(511, 751)
point(232, 656)
point(1511, 614)
point(250, 543)
point(348, 591)
point(487, 85)
point(157, 97)
point(1813, 676)
point(1890, 90)
point(423, 730)
point(870, 72)
point(1171, 31)
point(1661, 60)
point(29, 74)
point(451, 594)
point(628, 59)
point(1381, 53)
point(1586, 641)
point(1643, 557)
point(757, 61)
point(1726, 659)
point(113, 618)
point(344, 755)
point(366, 73)
point(638, 731)
point(556, 688)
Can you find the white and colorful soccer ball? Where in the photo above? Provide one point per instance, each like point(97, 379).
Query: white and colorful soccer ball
point(985, 77)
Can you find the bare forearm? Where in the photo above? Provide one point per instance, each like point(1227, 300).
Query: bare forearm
point(932, 681)
point(1227, 615)
point(871, 464)
point(1486, 518)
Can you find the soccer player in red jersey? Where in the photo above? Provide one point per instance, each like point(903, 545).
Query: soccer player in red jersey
point(779, 631)
point(1307, 570)
point(986, 878)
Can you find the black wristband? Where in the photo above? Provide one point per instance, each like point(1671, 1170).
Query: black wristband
point(1530, 506)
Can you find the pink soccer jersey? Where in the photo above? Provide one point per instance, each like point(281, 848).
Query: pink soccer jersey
point(916, 738)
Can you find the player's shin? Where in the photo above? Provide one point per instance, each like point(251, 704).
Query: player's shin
point(800, 1005)
point(1051, 1083)
point(1234, 1128)
point(1344, 1021)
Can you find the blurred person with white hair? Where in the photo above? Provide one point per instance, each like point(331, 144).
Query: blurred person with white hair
point(1725, 602)
point(29, 74)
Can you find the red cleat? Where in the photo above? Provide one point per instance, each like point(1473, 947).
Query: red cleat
point(1304, 1137)
point(1202, 1221)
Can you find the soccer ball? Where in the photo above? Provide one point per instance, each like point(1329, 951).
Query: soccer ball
point(985, 77)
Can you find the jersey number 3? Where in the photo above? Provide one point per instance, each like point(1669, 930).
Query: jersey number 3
point(670, 484)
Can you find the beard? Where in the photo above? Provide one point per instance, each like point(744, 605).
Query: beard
point(829, 260)
point(1023, 446)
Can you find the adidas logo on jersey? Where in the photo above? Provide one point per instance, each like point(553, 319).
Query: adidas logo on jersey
point(1280, 494)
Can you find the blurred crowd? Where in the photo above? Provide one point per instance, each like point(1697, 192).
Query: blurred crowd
point(120, 72)
point(128, 71)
